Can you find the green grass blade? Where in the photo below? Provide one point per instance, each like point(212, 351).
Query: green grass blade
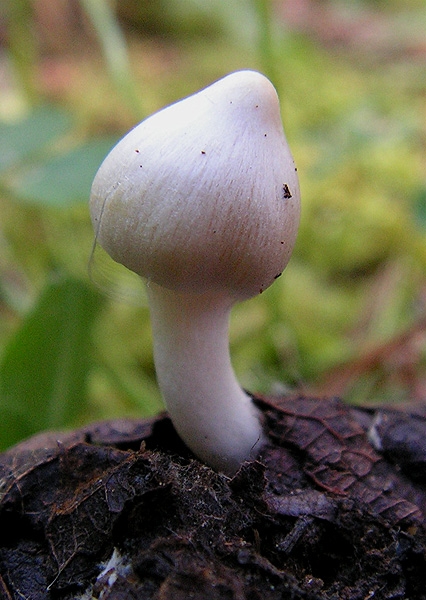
point(44, 369)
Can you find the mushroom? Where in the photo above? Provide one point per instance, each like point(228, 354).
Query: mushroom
point(202, 200)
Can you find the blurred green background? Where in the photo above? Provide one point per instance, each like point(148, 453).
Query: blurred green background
point(348, 317)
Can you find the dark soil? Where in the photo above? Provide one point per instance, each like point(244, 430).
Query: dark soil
point(122, 510)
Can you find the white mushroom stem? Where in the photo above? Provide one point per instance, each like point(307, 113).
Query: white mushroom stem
point(209, 410)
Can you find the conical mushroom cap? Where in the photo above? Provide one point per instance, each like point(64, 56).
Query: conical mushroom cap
point(204, 194)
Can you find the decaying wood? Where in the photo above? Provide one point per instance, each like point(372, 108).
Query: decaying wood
point(334, 508)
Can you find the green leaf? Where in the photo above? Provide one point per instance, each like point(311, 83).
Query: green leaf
point(43, 371)
point(62, 179)
point(25, 139)
point(420, 207)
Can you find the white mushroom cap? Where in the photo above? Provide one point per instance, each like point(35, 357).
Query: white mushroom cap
point(203, 196)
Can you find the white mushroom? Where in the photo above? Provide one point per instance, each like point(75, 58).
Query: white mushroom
point(202, 200)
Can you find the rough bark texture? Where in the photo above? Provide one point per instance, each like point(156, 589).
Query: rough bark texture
point(122, 510)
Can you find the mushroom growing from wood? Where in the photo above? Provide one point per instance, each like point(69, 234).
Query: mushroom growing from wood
point(202, 200)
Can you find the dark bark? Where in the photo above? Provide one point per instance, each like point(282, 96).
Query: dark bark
point(323, 513)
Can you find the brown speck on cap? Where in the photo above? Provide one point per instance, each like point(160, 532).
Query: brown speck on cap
point(286, 191)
